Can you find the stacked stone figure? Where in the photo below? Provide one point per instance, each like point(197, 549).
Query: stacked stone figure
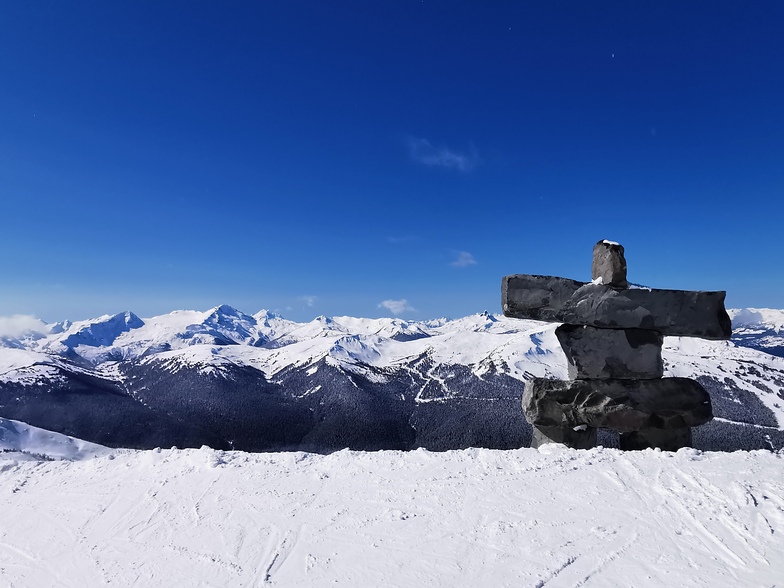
point(612, 337)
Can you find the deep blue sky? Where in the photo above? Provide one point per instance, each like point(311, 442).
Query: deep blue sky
point(323, 157)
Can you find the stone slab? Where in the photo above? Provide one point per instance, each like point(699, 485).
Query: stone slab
point(620, 405)
point(664, 439)
point(593, 353)
point(670, 312)
point(609, 264)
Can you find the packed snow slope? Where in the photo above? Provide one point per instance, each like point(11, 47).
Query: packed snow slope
point(19, 439)
point(229, 379)
point(525, 518)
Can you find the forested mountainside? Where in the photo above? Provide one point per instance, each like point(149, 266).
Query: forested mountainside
point(260, 382)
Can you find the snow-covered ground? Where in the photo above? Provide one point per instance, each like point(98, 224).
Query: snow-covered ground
point(17, 437)
point(553, 517)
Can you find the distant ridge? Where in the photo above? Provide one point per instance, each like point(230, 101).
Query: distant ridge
point(225, 378)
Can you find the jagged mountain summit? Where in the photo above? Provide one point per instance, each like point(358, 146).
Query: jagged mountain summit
point(260, 382)
point(759, 328)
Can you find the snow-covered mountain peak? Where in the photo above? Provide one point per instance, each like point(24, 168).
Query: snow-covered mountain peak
point(100, 332)
point(765, 318)
point(266, 315)
point(271, 326)
point(390, 328)
point(229, 313)
point(484, 322)
point(759, 328)
point(356, 348)
point(321, 326)
point(59, 327)
point(483, 342)
point(228, 325)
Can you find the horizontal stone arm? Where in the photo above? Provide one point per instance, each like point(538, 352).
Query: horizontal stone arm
point(620, 405)
point(671, 312)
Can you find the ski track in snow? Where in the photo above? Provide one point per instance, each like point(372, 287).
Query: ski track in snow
point(551, 518)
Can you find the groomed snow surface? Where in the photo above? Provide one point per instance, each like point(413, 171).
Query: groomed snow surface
point(554, 518)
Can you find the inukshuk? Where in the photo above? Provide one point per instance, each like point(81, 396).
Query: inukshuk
point(612, 337)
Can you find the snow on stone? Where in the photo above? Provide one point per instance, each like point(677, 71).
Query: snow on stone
point(470, 518)
point(638, 287)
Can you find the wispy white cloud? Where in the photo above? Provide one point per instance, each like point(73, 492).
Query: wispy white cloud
point(20, 325)
point(463, 259)
point(308, 300)
point(397, 306)
point(423, 151)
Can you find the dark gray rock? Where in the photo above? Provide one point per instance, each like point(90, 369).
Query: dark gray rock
point(611, 353)
point(609, 264)
point(670, 312)
point(620, 405)
point(580, 437)
point(664, 439)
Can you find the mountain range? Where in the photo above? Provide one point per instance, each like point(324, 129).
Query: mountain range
point(260, 382)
